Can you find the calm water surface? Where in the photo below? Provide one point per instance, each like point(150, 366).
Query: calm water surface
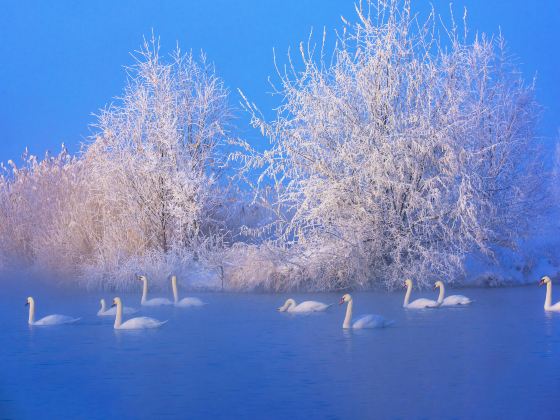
point(238, 357)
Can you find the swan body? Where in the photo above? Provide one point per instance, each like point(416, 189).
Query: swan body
point(453, 300)
point(548, 306)
point(364, 321)
point(49, 319)
point(104, 311)
point(304, 307)
point(151, 302)
point(421, 303)
point(138, 323)
point(185, 302)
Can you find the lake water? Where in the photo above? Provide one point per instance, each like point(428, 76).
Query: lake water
point(239, 358)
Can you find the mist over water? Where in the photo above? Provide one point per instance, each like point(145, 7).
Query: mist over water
point(238, 357)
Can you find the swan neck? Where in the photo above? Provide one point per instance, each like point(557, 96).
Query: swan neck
point(31, 312)
point(441, 294)
point(144, 290)
point(348, 317)
point(118, 318)
point(548, 299)
point(407, 294)
point(288, 305)
point(174, 287)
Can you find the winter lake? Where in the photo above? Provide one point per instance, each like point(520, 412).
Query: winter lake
point(239, 358)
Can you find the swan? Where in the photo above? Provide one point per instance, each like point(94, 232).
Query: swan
point(185, 302)
point(151, 302)
point(548, 300)
point(104, 311)
point(365, 321)
point(453, 300)
point(141, 322)
point(304, 307)
point(418, 303)
point(49, 319)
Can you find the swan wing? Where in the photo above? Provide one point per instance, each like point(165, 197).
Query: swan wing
point(190, 301)
point(113, 311)
point(108, 312)
point(56, 320)
point(454, 300)
point(310, 306)
point(157, 302)
point(141, 322)
point(371, 321)
point(422, 303)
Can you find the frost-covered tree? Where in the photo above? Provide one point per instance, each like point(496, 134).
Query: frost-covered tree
point(556, 174)
point(396, 154)
point(156, 155)
point(161, 142)
point(142, 195)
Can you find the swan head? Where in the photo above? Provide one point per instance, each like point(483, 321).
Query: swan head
point(29, 301)
point(286, 305)
point(344, 299)
point(116, 301)
point(545, 280)
point(438, 284)
point(408, 283)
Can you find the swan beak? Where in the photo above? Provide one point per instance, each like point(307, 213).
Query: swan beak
point(113, 305)
point(26, 304)
point(541, 282)
point(341, 301)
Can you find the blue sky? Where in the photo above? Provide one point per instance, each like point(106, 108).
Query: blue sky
point(63, 60)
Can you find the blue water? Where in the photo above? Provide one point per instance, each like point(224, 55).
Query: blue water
point(238, 358)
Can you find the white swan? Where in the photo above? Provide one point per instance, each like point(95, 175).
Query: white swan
point(453, 300)
point(139, 323)
point(365, 321)
point(185, 302)
point(548, 306)
point(304, 307)
point(151, 302)
point(104, 311)
point(418, 303)
point(49, 319)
